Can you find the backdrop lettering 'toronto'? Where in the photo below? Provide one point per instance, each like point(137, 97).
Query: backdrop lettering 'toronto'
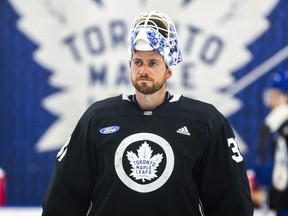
point(76, 53)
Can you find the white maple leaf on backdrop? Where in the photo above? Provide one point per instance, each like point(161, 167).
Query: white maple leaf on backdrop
point(48, 23)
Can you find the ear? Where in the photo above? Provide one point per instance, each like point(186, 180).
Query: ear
point(168, 73)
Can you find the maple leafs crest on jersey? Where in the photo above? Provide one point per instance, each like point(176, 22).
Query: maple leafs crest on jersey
point(149, 172)
point(144, 166)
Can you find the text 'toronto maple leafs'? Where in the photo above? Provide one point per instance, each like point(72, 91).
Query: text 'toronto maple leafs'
point(144, 165)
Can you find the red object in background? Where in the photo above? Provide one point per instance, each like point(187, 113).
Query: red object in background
point(2, 187)
point(252, 179)
point(257, 194)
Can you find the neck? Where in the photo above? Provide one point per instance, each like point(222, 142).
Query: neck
point(150, 101)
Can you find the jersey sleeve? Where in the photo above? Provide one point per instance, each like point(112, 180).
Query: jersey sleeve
point(69, 192)
point(222, 179)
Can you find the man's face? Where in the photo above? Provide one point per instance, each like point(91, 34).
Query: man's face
point(273, 98)
point(148, 71)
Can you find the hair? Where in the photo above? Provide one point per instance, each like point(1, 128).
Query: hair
point(157, 25)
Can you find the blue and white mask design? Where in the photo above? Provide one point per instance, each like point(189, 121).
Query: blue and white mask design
point(155, 31)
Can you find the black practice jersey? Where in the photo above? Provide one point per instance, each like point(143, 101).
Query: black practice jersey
point(180, 159)
point(278, 197)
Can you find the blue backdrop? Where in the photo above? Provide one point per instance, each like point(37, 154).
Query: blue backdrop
point(24, 83)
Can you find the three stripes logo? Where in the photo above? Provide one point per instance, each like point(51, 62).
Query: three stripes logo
point(184, 131)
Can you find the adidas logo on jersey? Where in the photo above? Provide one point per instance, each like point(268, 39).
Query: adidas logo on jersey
point(184, 131)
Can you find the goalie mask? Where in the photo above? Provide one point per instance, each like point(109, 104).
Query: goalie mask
point(155, 31)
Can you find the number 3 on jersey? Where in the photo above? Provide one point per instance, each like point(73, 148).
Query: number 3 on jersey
point(236, 152)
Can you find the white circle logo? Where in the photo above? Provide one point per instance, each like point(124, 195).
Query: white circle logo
point(144, 162)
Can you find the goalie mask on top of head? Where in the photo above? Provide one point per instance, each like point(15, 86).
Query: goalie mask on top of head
point(155, 31)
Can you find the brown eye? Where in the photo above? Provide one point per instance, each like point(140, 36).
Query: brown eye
point(152, 64)
point(137, 63)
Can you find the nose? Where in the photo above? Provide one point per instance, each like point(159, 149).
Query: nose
point(143, 70)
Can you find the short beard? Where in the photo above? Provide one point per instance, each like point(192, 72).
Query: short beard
point(144, 89)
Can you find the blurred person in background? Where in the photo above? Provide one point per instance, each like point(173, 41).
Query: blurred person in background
point(275, 132)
